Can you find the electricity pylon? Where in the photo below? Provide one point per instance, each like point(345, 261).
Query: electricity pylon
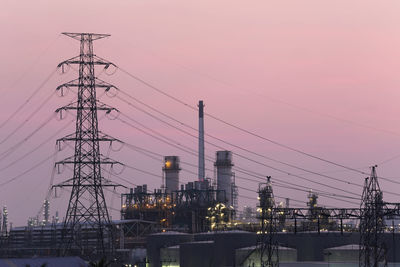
point(268, 247)
point(87, 228)
point(372, 224)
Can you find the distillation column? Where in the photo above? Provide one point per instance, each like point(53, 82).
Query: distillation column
point(171, 173)
point(224, 165)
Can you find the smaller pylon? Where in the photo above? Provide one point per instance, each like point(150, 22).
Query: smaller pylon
point(268, 246)
point(372, 224)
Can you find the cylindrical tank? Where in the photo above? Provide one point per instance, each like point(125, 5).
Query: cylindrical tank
point(155, 242)
point(224, 176)
point(225, 244)
point(171, 171)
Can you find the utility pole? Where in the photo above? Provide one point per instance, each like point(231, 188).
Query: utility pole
point(372, 224)
point(86, 228)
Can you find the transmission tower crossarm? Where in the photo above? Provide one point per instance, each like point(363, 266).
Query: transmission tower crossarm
point(78, 36)
point(101, 137)
point(105, 183)
point(78, 60)
point(101, 160)
point(98, 83)
point(100, 106)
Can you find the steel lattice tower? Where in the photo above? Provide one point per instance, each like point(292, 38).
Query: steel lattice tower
point(268, 246)
point(87, 228)
point(372, 224)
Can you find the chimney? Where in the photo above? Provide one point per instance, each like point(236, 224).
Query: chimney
point(201, 142)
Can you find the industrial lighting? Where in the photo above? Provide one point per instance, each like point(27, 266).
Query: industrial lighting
point(168, 164)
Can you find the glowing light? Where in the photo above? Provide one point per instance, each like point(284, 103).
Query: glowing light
point(168, 164)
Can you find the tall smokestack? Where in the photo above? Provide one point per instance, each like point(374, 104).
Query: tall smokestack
point(201, 142)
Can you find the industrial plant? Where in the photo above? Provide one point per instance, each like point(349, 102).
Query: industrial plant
point(197, 223)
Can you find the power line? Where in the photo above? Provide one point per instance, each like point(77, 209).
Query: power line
point(277, 196)
point(240, 128)
point(12, 115)
point(28, 118)
point(141, 150)
point(228, 84)
point(272, 159)
point(155, 175)
point(328, 195)
point(9, 151)
point(37, 147)
point(193, 153)
point(35, 61)
point(266, 165)
point(27, 171)
point(52, 176)
point(283, 183)
point(322, 193)
point(293, 188)
point(221, 140)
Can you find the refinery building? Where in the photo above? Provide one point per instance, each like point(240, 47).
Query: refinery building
point(199, 224)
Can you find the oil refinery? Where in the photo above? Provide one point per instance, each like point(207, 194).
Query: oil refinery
point(195, 223)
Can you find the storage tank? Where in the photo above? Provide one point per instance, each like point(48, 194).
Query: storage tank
point(224, 165)
point(155, 242)
point(171, 173)
point(224, 245)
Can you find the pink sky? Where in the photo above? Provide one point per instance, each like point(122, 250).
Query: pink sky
point(282, 69)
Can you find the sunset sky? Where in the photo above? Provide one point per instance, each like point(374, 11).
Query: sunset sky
point(318, 76)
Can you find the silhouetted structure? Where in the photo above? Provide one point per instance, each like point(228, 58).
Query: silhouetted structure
point(267, 243)
point(372, 224)
point(86, 226)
